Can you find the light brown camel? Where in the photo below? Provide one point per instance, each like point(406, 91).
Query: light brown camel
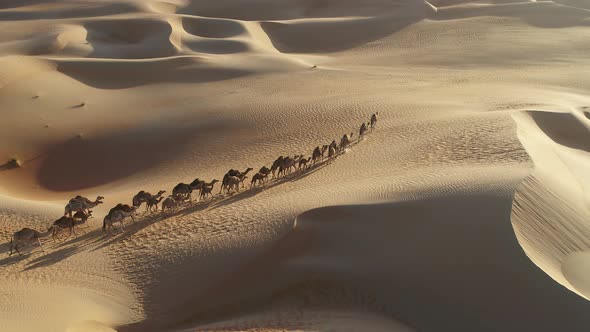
point(276, 165)
point(144, 196)
point(116, 216)
point(363, 130)
point(317, 154)
point(86, 200)
point(69, 222)
point(124, 208)
point(234, 182)
point(207, 189)
point(27, 236)
point(171, 202)
point(331, 152)
point(258, 178)
point(80, 205)
point(303, 163)
point(265, 171)
point(230, 173)
point(374, 120)
point(198, 184)
point(153, 202)
point(345, 141)
point(288, 164)
point(183, 190)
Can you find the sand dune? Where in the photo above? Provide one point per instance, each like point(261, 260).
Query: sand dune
point(466, 209)
point(551, 213)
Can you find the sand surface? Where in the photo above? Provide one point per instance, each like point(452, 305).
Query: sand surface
point(466, 209)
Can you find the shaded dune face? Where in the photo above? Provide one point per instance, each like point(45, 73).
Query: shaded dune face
point(288, 9)
point(130, 38)
point(564, 129)
point(20, 12)
point(212, 27)
point(218, 46)
point(121, 75)
point(328, 36)
point(83, 163)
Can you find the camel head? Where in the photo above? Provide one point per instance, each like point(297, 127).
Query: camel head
point(248, 170)
point(214, 181)
point(99, 198)
point(161, 192)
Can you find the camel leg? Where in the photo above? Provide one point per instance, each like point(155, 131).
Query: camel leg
point(16, 248)
point(74, 231)
point(67, 237)
point(41, 245)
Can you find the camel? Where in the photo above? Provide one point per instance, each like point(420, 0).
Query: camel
point(303, 163)
point(276, 165)
point(86, 200)
point(171, 202)
point(75, 205)
point(69, 222)
point(144, 196)
point(235, 173)
point(258, 178)
point(288, 164)
point(116, 216)
point(139, 198)
point(317, 154)
point(374, 120)
point(27, 236)
point(234, 182)
point(333, 145)
point(345, 141)
point(153, 203)
point(198, 184)
point(208, 188)
point(264, 171)
point(124, 208)
point(183, 190)
point(363, 130)
point(324, 149)
point(331, 152)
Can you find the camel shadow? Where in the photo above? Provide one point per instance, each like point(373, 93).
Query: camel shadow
point(52, 258)
point(251, 192)
point(26, 251)
point(130, 229)
point(15, 258)
point(64, 250)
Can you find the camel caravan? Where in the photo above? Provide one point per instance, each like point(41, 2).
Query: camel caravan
point(78, 209)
